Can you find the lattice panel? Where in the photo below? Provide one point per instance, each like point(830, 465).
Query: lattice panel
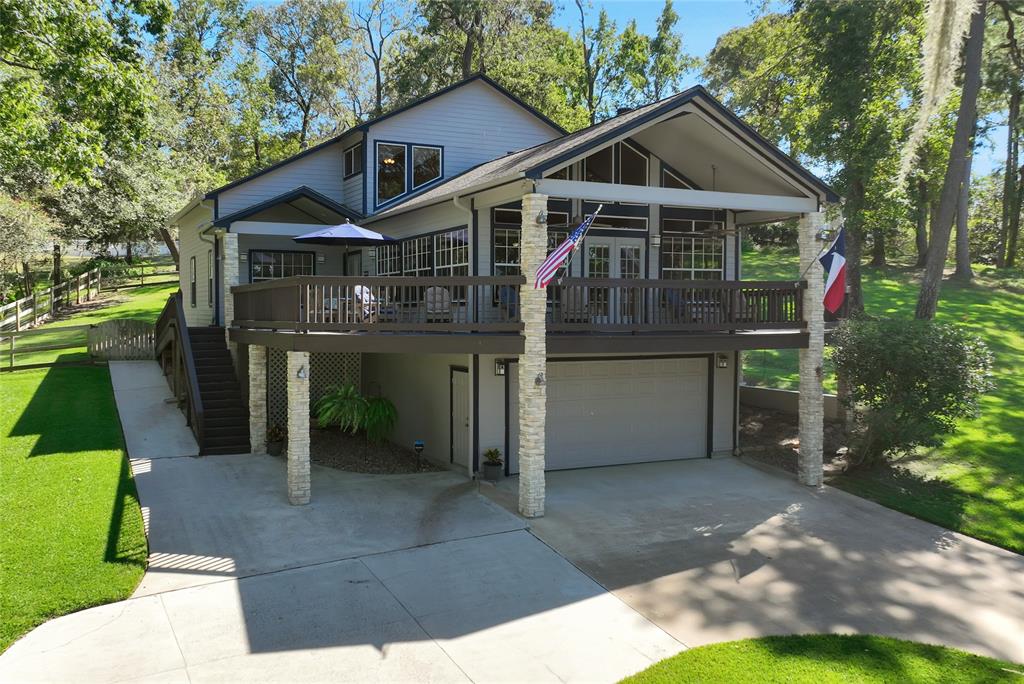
point(326, 369)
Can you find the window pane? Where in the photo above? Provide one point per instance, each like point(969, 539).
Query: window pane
point(511, 217)
point(597, 168)
point(632, 166)
point(670, 180)
point(390, 171)
point(426, 165)
point(560, 174)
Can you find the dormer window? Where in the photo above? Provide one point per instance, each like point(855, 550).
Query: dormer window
point(405, 167)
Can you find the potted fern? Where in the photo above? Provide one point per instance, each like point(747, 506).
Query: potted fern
point(344, 407)
point(493, 465)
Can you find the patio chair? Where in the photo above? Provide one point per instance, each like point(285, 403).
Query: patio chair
point(438, 304)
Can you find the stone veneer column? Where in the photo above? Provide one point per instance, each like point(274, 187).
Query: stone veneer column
point(229, 271)
point(812, 409)
point(258, 399)
point(298, 427)
point(533, 247)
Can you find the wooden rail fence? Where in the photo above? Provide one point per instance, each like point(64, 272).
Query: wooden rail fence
point(42, 304)
point(114, 340)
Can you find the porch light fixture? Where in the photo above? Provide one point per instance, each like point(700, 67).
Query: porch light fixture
point(542, 217)
point(656, 240)
point(302, 374)
point(540, 380)
point(372, 252)
point(723, 360)
point(320, 258)
point(499, 367)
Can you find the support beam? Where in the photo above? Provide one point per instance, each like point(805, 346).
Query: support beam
point(738, 201)
point(229, 273)
point(812, 404)
point(258, 398)
point(533, 361)
point(298, 427)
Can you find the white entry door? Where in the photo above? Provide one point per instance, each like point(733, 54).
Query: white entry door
point(460, 416)
point(613, 258)
point(619, 411)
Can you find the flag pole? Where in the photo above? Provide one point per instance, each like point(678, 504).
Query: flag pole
point(817, 256)
point(568, 261)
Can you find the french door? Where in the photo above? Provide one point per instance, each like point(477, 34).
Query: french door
point(614, 258)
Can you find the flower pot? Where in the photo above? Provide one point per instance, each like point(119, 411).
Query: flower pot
point(493, 471)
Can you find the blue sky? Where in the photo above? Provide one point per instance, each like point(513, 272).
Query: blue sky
point(703, 21)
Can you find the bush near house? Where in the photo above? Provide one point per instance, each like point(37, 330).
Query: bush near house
point(913, 379)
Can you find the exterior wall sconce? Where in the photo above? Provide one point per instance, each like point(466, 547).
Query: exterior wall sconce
point(499, 367)
point(540, 380)
point(722, 360)
point(302, 374)
point(372, 252)
point(656, 240)
point(542, 217)
point(320, 258)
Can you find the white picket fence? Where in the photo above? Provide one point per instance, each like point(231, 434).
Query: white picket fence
point(37, 307)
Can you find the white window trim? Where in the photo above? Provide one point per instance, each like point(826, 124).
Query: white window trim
point(378, 202)
point(252, 262)
point(411, 154)
point(351, 152)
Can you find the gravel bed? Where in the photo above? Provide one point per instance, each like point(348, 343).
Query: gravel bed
point(344, 451)
point(773, 438)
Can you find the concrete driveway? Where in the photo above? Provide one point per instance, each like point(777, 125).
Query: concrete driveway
point(719, 550)
point(381, 578)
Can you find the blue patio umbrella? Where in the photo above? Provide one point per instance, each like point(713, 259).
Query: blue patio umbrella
point(344, 234)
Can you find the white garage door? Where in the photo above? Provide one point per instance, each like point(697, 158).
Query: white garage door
point(612, 412)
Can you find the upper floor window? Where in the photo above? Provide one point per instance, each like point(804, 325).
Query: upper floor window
point(354, 160)
point(426, 164)
point(391, 169)
point(404, 167)
point(671, 180)
point(192, 282)
point(631, 168)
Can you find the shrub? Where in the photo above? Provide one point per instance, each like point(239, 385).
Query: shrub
point(379, 419)
point(911, 381)
point(343, 406)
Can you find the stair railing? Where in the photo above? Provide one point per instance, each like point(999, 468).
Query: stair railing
point(174, 352)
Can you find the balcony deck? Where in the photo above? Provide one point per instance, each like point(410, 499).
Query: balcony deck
point(479, 314)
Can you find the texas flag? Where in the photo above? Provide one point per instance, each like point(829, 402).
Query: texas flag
point(834, 262)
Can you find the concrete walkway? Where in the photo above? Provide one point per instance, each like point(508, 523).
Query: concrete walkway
point(381, 578)
point(719, 550)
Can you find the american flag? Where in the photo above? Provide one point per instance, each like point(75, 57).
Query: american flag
point(550, 267)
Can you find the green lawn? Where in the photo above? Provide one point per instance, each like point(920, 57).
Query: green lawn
point(140, 303)
point(825, 658)
point(72, 529)
point(974, 483)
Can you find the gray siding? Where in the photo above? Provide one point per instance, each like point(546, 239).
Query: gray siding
point(473, 124)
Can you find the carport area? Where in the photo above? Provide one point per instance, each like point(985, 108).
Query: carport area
point(712, 550)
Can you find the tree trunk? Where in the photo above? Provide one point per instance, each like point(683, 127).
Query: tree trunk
point(1009, 180)
point(467, 56)
point(28, 282)
point(172, 246)
point(58, 271)
point(1011, 245)
point(931, 283)
point(921, 230)
point(854, 249)
point(963, 243)
point(128, 256)
point(878, 248)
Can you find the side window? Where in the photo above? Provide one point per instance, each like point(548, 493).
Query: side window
point(354, 160)
point(426, 165)
point(192, 281)
point(391, 166)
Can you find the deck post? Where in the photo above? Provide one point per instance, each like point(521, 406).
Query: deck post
point(258, 398)
point(533, 362)
point(229, 270)
point(298, 427)
point(812, 409)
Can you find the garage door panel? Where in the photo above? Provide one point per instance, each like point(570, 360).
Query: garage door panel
point(612, 412)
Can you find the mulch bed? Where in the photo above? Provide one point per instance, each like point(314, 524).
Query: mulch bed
point(344, 451)
point(773, 438)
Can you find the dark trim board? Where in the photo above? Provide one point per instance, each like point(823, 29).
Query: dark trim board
point(287, 198)
point(475, 414)
point(709, 428)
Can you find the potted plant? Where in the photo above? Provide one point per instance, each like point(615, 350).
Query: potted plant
point(493, 465)
point(275, 440)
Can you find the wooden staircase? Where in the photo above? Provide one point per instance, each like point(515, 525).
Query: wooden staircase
point(225, 419)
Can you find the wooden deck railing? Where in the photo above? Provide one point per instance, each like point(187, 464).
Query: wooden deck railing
point(490, 304)
point(174, 353)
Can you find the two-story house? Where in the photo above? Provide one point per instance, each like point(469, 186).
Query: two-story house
point(630, 355)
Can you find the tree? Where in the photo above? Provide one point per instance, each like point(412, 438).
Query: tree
point(25, 232)
point(304, 45)
point(928, 299)
point(911, 379)
point(600, 79)
point(651, 67)
point(72, 81)
point(378, 24)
